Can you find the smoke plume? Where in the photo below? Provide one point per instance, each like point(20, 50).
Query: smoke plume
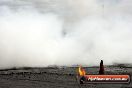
point(39, 33)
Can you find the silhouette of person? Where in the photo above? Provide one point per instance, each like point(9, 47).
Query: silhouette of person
point(101, 70)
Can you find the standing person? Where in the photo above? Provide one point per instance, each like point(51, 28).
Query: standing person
point(101, 70)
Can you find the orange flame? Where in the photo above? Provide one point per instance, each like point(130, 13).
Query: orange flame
point(82, 72)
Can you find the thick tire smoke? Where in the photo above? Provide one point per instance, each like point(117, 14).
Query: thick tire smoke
point(64, 32)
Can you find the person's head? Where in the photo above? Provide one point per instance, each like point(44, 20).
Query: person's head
point(101, 61)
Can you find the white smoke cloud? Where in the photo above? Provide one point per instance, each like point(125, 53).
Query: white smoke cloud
point(64, 32)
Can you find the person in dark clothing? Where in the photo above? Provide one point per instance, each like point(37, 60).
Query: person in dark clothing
point(101, 70)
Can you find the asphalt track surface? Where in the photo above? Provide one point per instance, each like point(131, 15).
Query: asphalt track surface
point(57, 77)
